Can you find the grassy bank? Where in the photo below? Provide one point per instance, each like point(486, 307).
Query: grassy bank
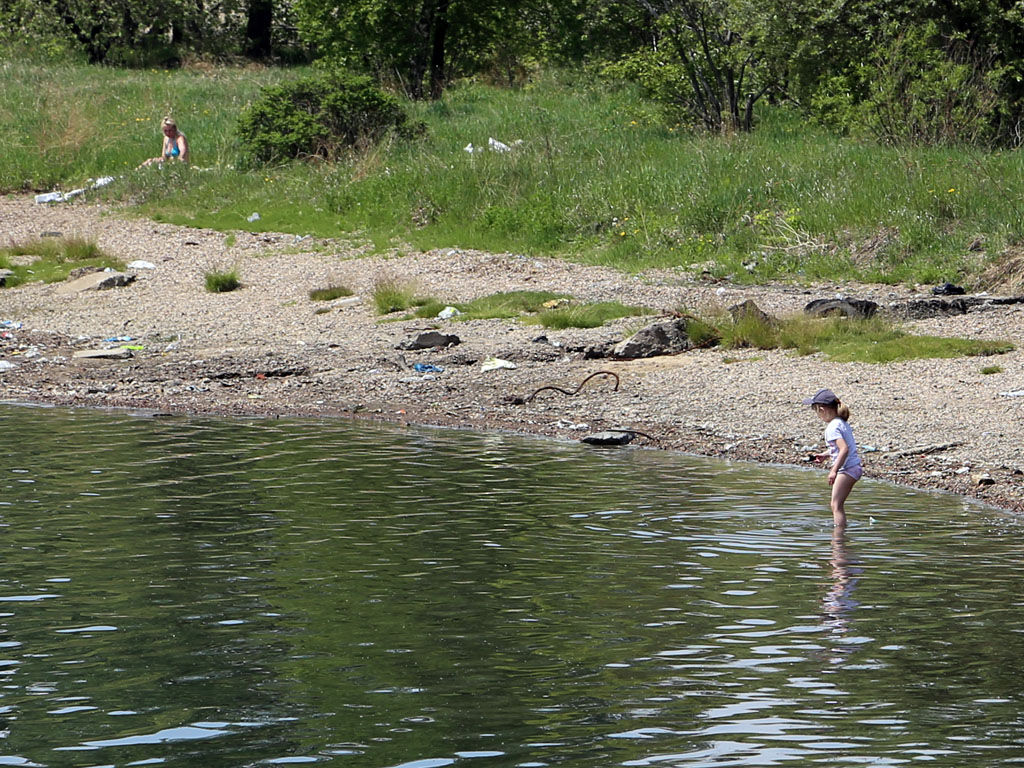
point(597, 177)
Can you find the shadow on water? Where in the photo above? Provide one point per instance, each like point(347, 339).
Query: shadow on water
point(232, 592)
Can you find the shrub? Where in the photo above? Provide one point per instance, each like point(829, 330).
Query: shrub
point(920, 88)
point(318, 116)
point(222, 282)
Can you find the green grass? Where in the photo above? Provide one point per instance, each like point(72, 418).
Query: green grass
point(330, 293)
point(496, 305)
point(393, 295)
point(223, 282)
point(552, 310)
point(874, 340)
point(587, 315)
point(51, 260)
point(990, 369)
point(598, 178)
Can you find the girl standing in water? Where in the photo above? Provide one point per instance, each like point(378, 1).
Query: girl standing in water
point(842, 450)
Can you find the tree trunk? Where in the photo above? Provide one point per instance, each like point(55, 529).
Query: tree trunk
point(437, 57)
point(419, 59)
point(258, 29)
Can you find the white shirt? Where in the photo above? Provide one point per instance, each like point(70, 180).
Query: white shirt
point(838, 428)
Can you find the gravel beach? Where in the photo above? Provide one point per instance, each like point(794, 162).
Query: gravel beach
point(267, 349)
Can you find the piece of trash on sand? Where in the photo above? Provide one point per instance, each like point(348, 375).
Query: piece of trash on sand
point(140, 264)
point(252, 217)
point(118, 338)
point(1013, 393)
point(62, 197)
point(428, 368)
point(428, 340)
point(14, 325)
point(117, 353)
point(6, 365)
point(447, 313)
point(494, 363)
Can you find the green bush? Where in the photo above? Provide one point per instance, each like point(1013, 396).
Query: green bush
point(318, 116)
point(920, 88)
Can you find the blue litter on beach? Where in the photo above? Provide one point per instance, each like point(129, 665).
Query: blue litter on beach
point(427, 368)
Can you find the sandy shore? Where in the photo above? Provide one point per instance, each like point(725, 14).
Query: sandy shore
point(267, 349)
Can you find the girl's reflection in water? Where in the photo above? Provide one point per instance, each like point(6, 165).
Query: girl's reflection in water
point(838, 603)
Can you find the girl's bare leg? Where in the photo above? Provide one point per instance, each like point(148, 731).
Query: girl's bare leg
point(840, 490)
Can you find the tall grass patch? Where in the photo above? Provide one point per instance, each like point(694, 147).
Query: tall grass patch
point(872, 340)
point(591, 173)
point(587, 315)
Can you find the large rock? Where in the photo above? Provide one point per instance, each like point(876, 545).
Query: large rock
point(96, 281)
point(668, 338)
point(749, 310)
point(855, 308)
point(608, 438)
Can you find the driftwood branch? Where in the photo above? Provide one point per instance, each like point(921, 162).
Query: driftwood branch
point(923, 449)
point(576, 391)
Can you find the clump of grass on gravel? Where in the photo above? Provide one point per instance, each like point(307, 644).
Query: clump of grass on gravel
point(506, 304)
point(52, 259)
point(552, 310)
point(872, 340)
point(393, 295)
point(330, 293)
point(990, 369)
point(587, 315)
point(222, 282)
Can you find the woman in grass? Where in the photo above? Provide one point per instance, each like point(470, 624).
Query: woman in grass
point(175, 146)
point(842, 450)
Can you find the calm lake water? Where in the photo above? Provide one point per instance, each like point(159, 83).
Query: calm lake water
point(207, 593)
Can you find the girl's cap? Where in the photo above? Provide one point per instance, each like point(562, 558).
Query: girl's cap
point(822, 397)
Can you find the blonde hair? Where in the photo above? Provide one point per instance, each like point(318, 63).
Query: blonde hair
point(841, 410)
point(169, 123)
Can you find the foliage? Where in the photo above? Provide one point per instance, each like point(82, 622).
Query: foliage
point(425, 44)
point(990, 369)
point(52, 259)
point(223, 282)
point(917, 88)
point(317, 116)
point(145, 32)
point(711, 61)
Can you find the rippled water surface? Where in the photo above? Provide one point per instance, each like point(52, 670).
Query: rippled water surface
point(210, 593)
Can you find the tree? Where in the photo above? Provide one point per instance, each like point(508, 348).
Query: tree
point(713, 60)
point(422, 43)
